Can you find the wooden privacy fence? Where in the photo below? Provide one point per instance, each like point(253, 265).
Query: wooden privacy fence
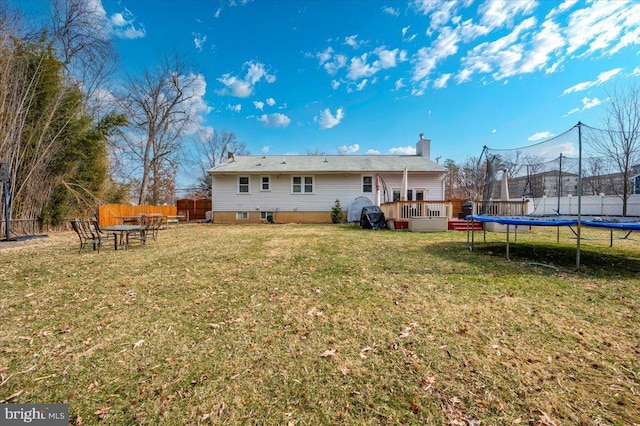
point(108, 214)
point(194, 209)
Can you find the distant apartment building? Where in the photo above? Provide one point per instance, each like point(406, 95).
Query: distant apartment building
point(552, 184)
point(537, 185)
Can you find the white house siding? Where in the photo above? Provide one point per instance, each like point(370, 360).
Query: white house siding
point(327, 188)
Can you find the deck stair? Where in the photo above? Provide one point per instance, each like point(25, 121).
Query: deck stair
point(461, 225)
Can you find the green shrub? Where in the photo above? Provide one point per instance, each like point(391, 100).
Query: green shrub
point(337, 216)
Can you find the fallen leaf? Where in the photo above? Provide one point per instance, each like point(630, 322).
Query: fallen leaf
point(328, 353)
point(365, 350)
point(101, 412)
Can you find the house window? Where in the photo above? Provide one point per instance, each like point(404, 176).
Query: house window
point(637, 185)
point(420, 194)
point(302, 184)
point(367, 183)
point(265, 183)
point(397, 193)
point(242, 215)
point(244, 185)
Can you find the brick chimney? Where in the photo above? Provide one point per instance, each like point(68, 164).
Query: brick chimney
point(423, 146)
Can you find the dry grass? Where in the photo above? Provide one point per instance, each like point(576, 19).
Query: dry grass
point(293, 324)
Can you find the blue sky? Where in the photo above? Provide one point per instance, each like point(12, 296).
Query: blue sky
point(360, 77)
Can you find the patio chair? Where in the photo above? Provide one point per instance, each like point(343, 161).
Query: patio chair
point(150, 226)
point(154, 226)
point(86, 235)
point(95, 227)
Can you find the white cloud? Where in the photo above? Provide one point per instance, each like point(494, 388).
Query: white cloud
point(257, 72)
point(372, 152)
point(441, 82)
point(540, 136)
point(568, 149)
point(199, 41)
point(327, 120)
point(503, 57)
point(336, 63)
point(259, 105)
point(325, 55)
point(244, 87)
point(566, 5)
point(389, 58)
point(587, 103)
point(423, 64)
point(344, 149)
point(122, 24)
point(403, 150)
point(271, 101)
point(234, 108)
point(600, 25)
point(217, 13)
point(360, 69)
point(635, 72)
point(275, 120)
point(546, 41)
point(399, 84)
point(603, 77)
point(352, 41)
point(234, 86)
point(391, 11)
point(118, 20)
point(335, 84)
point(494, 131)
point(407, 38)
point(426, 59)
point(265, 149)
point(439, 13)
point(496, 14)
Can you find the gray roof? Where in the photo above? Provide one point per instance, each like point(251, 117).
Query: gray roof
point(326, 164)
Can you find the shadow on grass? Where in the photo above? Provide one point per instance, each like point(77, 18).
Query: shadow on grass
point(598, 261)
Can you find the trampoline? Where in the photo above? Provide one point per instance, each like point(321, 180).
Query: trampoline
point(513, 186)
point(624, 223)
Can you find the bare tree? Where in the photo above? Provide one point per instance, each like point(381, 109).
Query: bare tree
point(83, 44)
point(160, 109)
point(620, 143)
point(315, 151)
point(213, 148)
point(594, 171)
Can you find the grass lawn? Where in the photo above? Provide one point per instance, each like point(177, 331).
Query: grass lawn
point(321, 324)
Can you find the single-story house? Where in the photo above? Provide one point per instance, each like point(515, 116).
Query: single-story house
point(304, 188)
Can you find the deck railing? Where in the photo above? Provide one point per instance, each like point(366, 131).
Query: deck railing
point(400, 210)
point(502, 208)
